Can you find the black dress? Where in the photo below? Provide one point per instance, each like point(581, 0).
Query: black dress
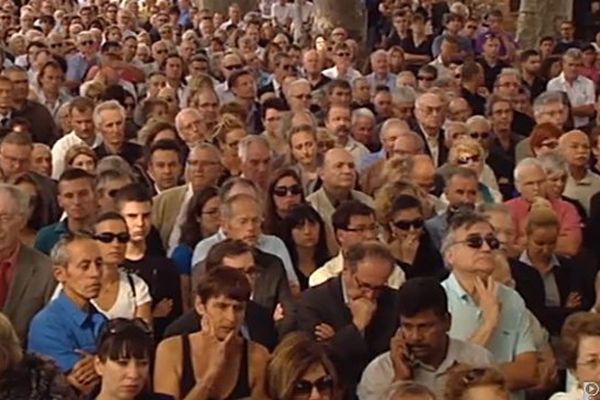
point(427, 263)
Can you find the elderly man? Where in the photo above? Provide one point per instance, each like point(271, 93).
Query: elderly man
point(430, 114)
point(403, 102)
point(26, 281)
point(109, 120)
point(81, 110)
point(381, 75)
point(363, 127)
point(298, 95)
point(190, 126)
point(530, 181)
point(338, 121)
point(313, 67)
point(581, 90)
point(459, 110)
point(582, 183)
point(203, 168)
point(79, 63)
point(500, 323)
point(283, 68)
point(230, 63)
point(256, 160)
point(338, 174)
point(508, 83)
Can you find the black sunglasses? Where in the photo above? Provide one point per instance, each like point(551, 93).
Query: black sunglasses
point(293, 190)
point(425, 78)
point(475, 241)
point(479, 135)
point(406, 225)
point(109, 237)
point(468, 159)
point(232, 67)
point(304, 388)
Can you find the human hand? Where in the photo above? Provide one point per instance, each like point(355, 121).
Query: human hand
point(573, 300)
point(162, 308)
point(324, 331)
point(487, 297)
point(279, 313)
point(84, 371)
point(401, 358)
point(362, 310)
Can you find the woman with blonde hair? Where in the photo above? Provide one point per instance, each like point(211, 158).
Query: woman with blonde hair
point(27, 376)
point(468, 153)
point(228, 133)
point(300, 369)
point(468, 383)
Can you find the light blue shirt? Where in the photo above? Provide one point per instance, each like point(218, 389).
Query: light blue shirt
point(267, 243)
point(513, 334)
point(389, 81)
point(370, 159)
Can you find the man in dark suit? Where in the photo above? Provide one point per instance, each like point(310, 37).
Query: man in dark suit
point(430, 115)
point(356, 314)
point(26, 279)
point(258, 322)
point(284, 67)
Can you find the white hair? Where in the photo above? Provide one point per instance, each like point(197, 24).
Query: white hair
point(475, 119)
point(249, 140)
point(403, 94)
point(20, 198)
point(105, 106)
point(183, 113)
point(553, 162)
point(362, 112)
point(526, 163)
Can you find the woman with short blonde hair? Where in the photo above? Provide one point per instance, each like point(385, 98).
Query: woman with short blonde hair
point(467, 383)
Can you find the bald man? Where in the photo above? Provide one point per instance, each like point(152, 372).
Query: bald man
point(582, 183)
point(338, 174)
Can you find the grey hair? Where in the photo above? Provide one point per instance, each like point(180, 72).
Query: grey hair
point(573, 54)
point(524, 163)
point(183, 112)
point(362, 250)
point(509, 71)
point(404, 94)
point(105, 106)
point(407, 388)
point(108, 175)
point(489, 208)
point(226, 207)
point(464, 219)
point(477, 119)
point(20, 198)
point(115, 163)
point(362, 112)
point(553, 162)
point(230, 183)
point(249, 140)
point(546, 98)
point(60, 253)
point(377, 53)
point(453, 124)
point(392, 123)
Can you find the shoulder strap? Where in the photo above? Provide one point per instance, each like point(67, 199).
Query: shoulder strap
point(132, 285)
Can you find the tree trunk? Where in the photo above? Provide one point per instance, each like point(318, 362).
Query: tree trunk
point(221, 6)
point(349, 14)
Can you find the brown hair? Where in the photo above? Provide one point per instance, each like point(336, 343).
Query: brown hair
point(10, 348)
point(576, 326)
point(224, 281)
point(541, 216)
point(77, 150)
point(543, 132)
point(464, 378)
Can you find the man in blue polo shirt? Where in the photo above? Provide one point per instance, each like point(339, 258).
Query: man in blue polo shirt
point(67, 328)
point(77, 197)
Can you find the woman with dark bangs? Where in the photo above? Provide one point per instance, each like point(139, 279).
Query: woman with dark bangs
point(284, 192)
point(303, 233)
point(123, 361)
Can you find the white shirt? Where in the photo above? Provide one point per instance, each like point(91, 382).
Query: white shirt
point(176, 232)
point(357, 149)
point(126, 302)
point(333, 73)
point(584, 189)
point(60, 148)
point(282, 13)
point(303, 12)
point(581, 92)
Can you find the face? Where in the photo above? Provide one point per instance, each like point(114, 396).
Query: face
point(165, 168)
point(491, 48)
point(383, 104)
point(360, 229)
point(272, 121)
point(244, 223)
point(225, 315)
point(84, 162)
point(173, 68)
point(112, 127)
point(299, 97)
point(304, 148)
point(423, 174)
point(11, 222)
point(407, 223)
point(430, 111)
point(83, 124)
point(424, 334)
point(81, 277)
point(470, 160)
point(531, 183)
point(571, 67)
point(468, 260)
point(362, 91)
point(257, 166)
point(124, 377)
point(208, 106)
point(155, 84)
point(541, 242)
point(245, 87)
point(338, 122)
point(106, 193)
point(20, 88)
point(502, 116)
point(338, 170)
point(556, 113)
point(588, 359)
point(6, 95)
point(362, 130)
point(113, 252)
point(369, 278)
point(461, 191)
point(306, 235)
point(191, 128)
point(137, 217)
point(508, 86)
point(209, 217)
point(504, 227)
point(287, 193)
point(340, 96)
point(555, 184)
point(575, 148)
point(52, 79)
point(406, 145)
point(77, 198)
point(314, 384)
point(41, 160)
point(203, 168)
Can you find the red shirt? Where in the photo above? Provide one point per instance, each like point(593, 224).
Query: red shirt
point(7, 271)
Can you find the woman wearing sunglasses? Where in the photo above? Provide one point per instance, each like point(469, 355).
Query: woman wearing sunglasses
point(410, 242)
point(475, 384)
point(468, 153)
point(122, 361)
point(284, 192)
point(544, 139)
point(299, 369)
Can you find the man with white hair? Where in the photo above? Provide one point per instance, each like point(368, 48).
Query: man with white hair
point(363, 127)
point(298, 95)
point(430, 111)
point(256, 160)
point(381, 75)
point(581, 90)
point(190, 126)
point(530, 182)
point(109, 121)
point(338, 121)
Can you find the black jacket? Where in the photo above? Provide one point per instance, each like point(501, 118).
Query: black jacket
point(442, 149)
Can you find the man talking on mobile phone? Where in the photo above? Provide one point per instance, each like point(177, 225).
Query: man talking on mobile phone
point(421, 350)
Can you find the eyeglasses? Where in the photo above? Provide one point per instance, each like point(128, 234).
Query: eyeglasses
point(87, 43)
point(479, 135)
point(468, 159)
point(551, 144)
point(281, 191)
point(232, 67)
point(361, 229)
point(303, 96)
point(425, 78)
point(364, 286)
point(56, 45)
point(343, 54)
point(476, 241)
point(593, 364)
point(303, 388)
point(287, 67)
point(406, 225)
point(112, 193)
point(109, 237)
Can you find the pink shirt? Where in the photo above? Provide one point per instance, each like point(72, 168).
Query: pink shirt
point(570, 223)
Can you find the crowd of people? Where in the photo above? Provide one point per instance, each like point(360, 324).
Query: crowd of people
point(197, 205)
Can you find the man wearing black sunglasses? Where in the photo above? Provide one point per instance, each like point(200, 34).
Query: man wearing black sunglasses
point(283, 68)
point(483, 311)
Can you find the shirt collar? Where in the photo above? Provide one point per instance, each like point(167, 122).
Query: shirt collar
point(453, 285)
point(524, 258)
point(72, 311)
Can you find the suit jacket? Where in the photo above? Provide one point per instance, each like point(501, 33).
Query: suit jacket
point(437, 227)
point(257, 319)
point(442, 149)
point(350, 350)
point(31, 288)
point(569, 277)
point(165, 209)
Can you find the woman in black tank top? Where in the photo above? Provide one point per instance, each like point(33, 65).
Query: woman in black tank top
point(217, 363)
